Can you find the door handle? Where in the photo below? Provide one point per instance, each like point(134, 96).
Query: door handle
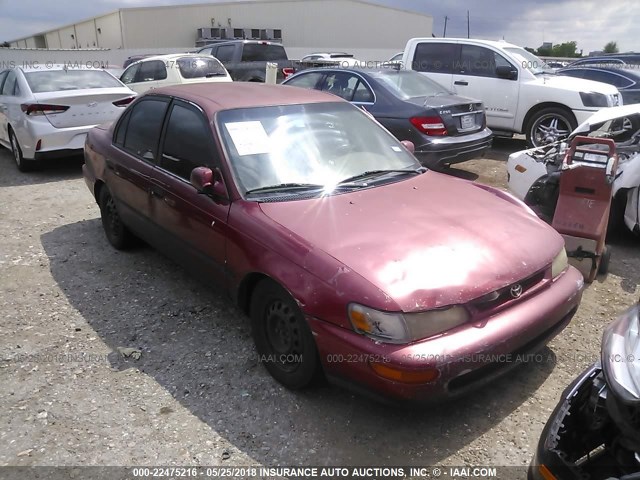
point(156, 192)
point(460, 82)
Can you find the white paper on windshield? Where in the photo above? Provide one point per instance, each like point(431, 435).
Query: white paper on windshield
point(396, 149)
point(249, 138)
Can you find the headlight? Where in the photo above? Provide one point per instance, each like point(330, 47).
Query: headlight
point(593, 99)
point(560, 263)
point(404, 327)
point(621, 356)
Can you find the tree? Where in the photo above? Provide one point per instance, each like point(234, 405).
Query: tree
point(566, 49)
point(5, 45)
point(611, 47)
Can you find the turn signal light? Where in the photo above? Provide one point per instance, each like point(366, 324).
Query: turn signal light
point(426, 375)
point(546, 474)
point(430, 125)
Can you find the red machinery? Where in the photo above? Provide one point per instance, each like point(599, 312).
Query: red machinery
point(584, 201)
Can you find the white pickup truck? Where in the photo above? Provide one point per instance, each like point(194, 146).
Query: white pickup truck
point(520, 92)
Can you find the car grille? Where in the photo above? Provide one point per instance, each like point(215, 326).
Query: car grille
point(495, 300)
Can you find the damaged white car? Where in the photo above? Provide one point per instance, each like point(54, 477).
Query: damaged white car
point(534, 174)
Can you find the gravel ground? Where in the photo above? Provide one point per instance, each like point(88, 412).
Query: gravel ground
point(196, 394)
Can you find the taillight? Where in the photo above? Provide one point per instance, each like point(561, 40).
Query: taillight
point(124, 102)
point(288, 71)
point(42, 109)
point(430, 125)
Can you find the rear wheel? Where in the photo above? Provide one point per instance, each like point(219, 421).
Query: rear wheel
point(282, 337)
point(23, 164)
point(549, 125)
point(117, 233)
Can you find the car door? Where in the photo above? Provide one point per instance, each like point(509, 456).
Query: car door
point(3, 110)
point(129, 168)
point(436, 61)
point(195, 224)
point(475, 77)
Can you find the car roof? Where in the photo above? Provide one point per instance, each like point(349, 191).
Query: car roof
point(493, 43)
point(173, 56)
point(628, 70)
point(214, 97)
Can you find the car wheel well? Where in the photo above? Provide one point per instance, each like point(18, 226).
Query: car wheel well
point(541, 106)
point(246, 288)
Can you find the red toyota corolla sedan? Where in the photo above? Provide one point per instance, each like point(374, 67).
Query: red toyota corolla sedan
point(350, 258)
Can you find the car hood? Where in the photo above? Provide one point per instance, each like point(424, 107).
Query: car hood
point(427, 242)
point(577, 84)
point(605, 115)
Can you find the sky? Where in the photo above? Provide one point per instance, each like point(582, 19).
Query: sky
point(527, 23)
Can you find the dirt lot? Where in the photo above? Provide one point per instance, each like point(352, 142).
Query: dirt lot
point(197, 395)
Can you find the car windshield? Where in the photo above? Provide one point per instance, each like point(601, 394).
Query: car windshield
point(407, 84)
point(200, 67)
point(528, 60)
point(56, 80)
point(318, 145)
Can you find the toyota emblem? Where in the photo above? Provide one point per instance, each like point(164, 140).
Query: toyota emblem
point(516, 290)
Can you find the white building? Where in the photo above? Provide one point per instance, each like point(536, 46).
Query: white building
point(369, 31)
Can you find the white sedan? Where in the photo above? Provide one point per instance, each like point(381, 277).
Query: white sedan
point(339, 59)
point(46, 113)
point(173, 69)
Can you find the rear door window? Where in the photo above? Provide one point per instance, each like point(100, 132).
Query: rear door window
point(144, 127)
point(150, 71)
point(607, 77)
point(260, 52)
point(200, 67)
point(224, 53)
point(435, 57)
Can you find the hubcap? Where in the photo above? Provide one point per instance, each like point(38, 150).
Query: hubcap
point(549, 129)
point(113, 219)
point(283, 334)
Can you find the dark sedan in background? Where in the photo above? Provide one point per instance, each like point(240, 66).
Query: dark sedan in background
point(445, 128)
point(625, 77)
point(350, 258)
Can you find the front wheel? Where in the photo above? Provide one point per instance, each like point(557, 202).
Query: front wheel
point(282, 337)
point(550, 125)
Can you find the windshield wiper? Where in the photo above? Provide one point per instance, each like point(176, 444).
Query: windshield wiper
point(372, 173)
point(286, 187)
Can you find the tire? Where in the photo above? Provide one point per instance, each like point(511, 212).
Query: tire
point(549, 125)
point(603, 266)
point(282, 337)
point(117, 233)
point(23, 164)
point(616, 214)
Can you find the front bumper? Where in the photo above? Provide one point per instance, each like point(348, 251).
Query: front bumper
point(447, 150)
point(466, 357)
point(570, 447)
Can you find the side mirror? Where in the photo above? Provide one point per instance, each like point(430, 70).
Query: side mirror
point(408, 145)
point(208, 182)
point(507, 72)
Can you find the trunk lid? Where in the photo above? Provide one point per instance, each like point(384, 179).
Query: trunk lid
point(86, 107)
